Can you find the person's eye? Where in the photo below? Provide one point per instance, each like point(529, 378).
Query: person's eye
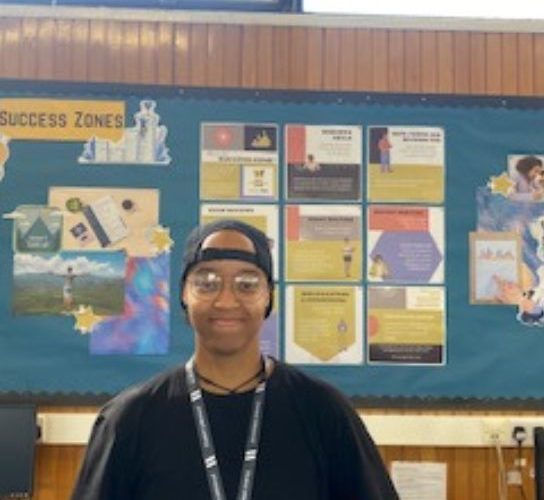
point(247, 284)
point(207, 283)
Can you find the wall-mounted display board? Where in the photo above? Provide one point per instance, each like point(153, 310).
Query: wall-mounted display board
point(407, 233)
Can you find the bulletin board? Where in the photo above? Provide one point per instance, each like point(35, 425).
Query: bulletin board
point(406, 231)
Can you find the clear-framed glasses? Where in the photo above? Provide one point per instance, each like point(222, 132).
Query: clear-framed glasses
point(206, 284)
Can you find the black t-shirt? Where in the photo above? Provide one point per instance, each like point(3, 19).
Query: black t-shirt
point(144, 445)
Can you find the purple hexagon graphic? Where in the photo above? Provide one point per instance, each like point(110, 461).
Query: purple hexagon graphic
point(410, 256)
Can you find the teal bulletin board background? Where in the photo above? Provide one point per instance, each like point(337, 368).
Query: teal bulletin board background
point(489, 354)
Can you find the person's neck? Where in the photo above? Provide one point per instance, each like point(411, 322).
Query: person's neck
point(228, 371)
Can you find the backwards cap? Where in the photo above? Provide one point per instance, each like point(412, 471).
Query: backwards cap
point(193, 253)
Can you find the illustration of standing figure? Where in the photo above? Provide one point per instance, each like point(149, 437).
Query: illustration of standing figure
point(379, 269)
point(385, 155)
point(310, 164)
point(347, 256)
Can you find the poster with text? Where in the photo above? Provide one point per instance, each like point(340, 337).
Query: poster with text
point(323, 243)
point(323, 162)
point(406, 325)
point(324, 325)
point(406, 163)
point(238, 161)
point(405, 244)
point(263, 217)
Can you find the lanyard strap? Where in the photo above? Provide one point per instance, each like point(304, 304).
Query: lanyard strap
point(207, 448)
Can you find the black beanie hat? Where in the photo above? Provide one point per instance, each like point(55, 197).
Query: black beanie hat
point(193, 253)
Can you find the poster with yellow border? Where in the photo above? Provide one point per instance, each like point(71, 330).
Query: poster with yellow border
point(324, 325)
point(406, 325)
point(323, 243)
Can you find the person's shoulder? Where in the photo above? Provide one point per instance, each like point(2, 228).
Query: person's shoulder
point(130, 404)
point(312, 389)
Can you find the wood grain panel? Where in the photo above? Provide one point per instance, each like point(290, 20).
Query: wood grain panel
point(198, 50)
point(412, 61)
point(29, 50)
point(298, 69)
point(493, 63)
point(98, 71)
point(509, 66)
point(232, 71)
point(461, 61)
point(181, 54)
point(215, 60)
point(249, 56)
point(10, 52)
point(395, 57)
point(446, 62)
point(539, 64)
point(280, 59)
point(80, 50)
point(477, 63)
point(114, 51)
point(147, 53)
point(347, 60)
point(46, 54)
point(526, 64)
point(130, 53)
point(62, 50)
point(380, 63)
point(429, 64)
point(314, 65)
point(165, 54)
point(363, 60)
point(265, 76)
point(331, 56)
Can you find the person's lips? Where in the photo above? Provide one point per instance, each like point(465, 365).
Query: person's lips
point(226, 321)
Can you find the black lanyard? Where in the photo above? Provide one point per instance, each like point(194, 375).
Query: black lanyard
point(207, 448)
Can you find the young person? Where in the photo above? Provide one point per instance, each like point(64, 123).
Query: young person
point(230, 423)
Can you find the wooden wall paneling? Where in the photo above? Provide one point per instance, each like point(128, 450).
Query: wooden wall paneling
point(10, 51)
point(46, 52)
point(232, 70)
point(62, 50)
point(130, 52)
point(80, 49)
point(29, 51)
point(493, 60)
point(265, 43)
point(280, 60)
point(215, 59)
point(314, 56)
point(461, 62)
point(98, 71)
point(395, 58)
point(461, 467)
point(509, 66)
point(348, 60)
point(148, 53)
point(477, 74)
point(412, 61)
point(539, 64)
point(298, 49)
point(445, 62)
point(181, 54)
point(331, 59)
point(429, 62)
point(165, 53)
point(363, 59)
point(478, 478)
point(380, 63)
point(198, 50)
point(114, 51)
point(525, 64)
point(249, 56)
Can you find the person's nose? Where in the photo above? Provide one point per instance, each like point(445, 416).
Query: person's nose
point(226, 297)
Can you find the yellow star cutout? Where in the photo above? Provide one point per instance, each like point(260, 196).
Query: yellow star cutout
point(501, 184)
point(161, 239)
point(86, 319)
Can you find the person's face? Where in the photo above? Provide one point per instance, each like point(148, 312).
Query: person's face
point(226, 299)
point(535, 172)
